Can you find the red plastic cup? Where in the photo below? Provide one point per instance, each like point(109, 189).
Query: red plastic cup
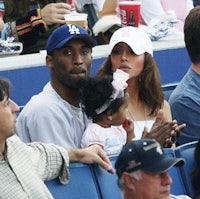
point(130, 13)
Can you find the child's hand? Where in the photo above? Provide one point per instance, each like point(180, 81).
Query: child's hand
point(128, 125)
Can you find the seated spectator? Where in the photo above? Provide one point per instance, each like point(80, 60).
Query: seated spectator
point(55, 115)
point(25, 167)
point(142, 169)
point(105, 102)
point(130, 50)
point(185, 99)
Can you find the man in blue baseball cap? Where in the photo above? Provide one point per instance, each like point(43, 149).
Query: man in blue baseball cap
point(142, 169)
point(55, 115)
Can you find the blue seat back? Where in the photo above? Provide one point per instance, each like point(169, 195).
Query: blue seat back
point(186, 151)
point(107, 182)
point(168, 89)
point(93, 182)
point(82, 184)
point(177, 186)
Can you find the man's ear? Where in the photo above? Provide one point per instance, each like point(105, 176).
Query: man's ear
point(128, 181)
point(49, 61)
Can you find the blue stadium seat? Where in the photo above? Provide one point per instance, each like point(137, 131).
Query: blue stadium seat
point(177, 186)
point(168, 89)
point(107, 182)
point(186, 151)
point(82, 184)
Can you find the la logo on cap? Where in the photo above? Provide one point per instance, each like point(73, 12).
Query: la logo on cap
point(73, 29)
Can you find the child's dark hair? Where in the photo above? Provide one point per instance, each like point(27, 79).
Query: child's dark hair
point(195, 175)
point(96, 92)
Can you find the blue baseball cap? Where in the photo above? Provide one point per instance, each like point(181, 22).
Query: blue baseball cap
point(64, 34)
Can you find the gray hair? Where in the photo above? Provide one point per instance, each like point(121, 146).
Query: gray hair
point(136, 175)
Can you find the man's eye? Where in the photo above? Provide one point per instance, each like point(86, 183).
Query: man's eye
point(68, 52)
point(86, 51)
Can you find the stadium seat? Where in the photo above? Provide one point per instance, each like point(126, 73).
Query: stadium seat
point(186, 151)
point(177, 186)
point(82, 184)
point(168, 89)
point(107, 182)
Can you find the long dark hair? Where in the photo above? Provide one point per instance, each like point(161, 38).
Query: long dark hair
point(149, 84)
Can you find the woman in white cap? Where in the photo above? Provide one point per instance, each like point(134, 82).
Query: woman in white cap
point(130, 50)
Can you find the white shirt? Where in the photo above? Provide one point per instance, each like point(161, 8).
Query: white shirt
point(139, 127)
point(111, 139)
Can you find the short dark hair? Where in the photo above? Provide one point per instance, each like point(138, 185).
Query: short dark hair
point(150, 90)
point(4, 88)
point(191, 34)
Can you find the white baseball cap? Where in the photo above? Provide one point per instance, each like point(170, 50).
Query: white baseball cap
point(136, 38)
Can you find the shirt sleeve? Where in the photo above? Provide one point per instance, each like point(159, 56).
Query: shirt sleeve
point(50, 161)
point(93, 135)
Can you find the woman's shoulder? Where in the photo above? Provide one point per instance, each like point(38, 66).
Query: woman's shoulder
point(167, 110)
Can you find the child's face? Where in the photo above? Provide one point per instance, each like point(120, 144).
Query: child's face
point(119, 117)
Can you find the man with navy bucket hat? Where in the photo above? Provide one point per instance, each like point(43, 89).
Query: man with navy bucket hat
point(142, 169)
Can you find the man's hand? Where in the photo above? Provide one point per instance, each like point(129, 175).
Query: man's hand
point(90, 155)
point(53, 13)
point(164, 132)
